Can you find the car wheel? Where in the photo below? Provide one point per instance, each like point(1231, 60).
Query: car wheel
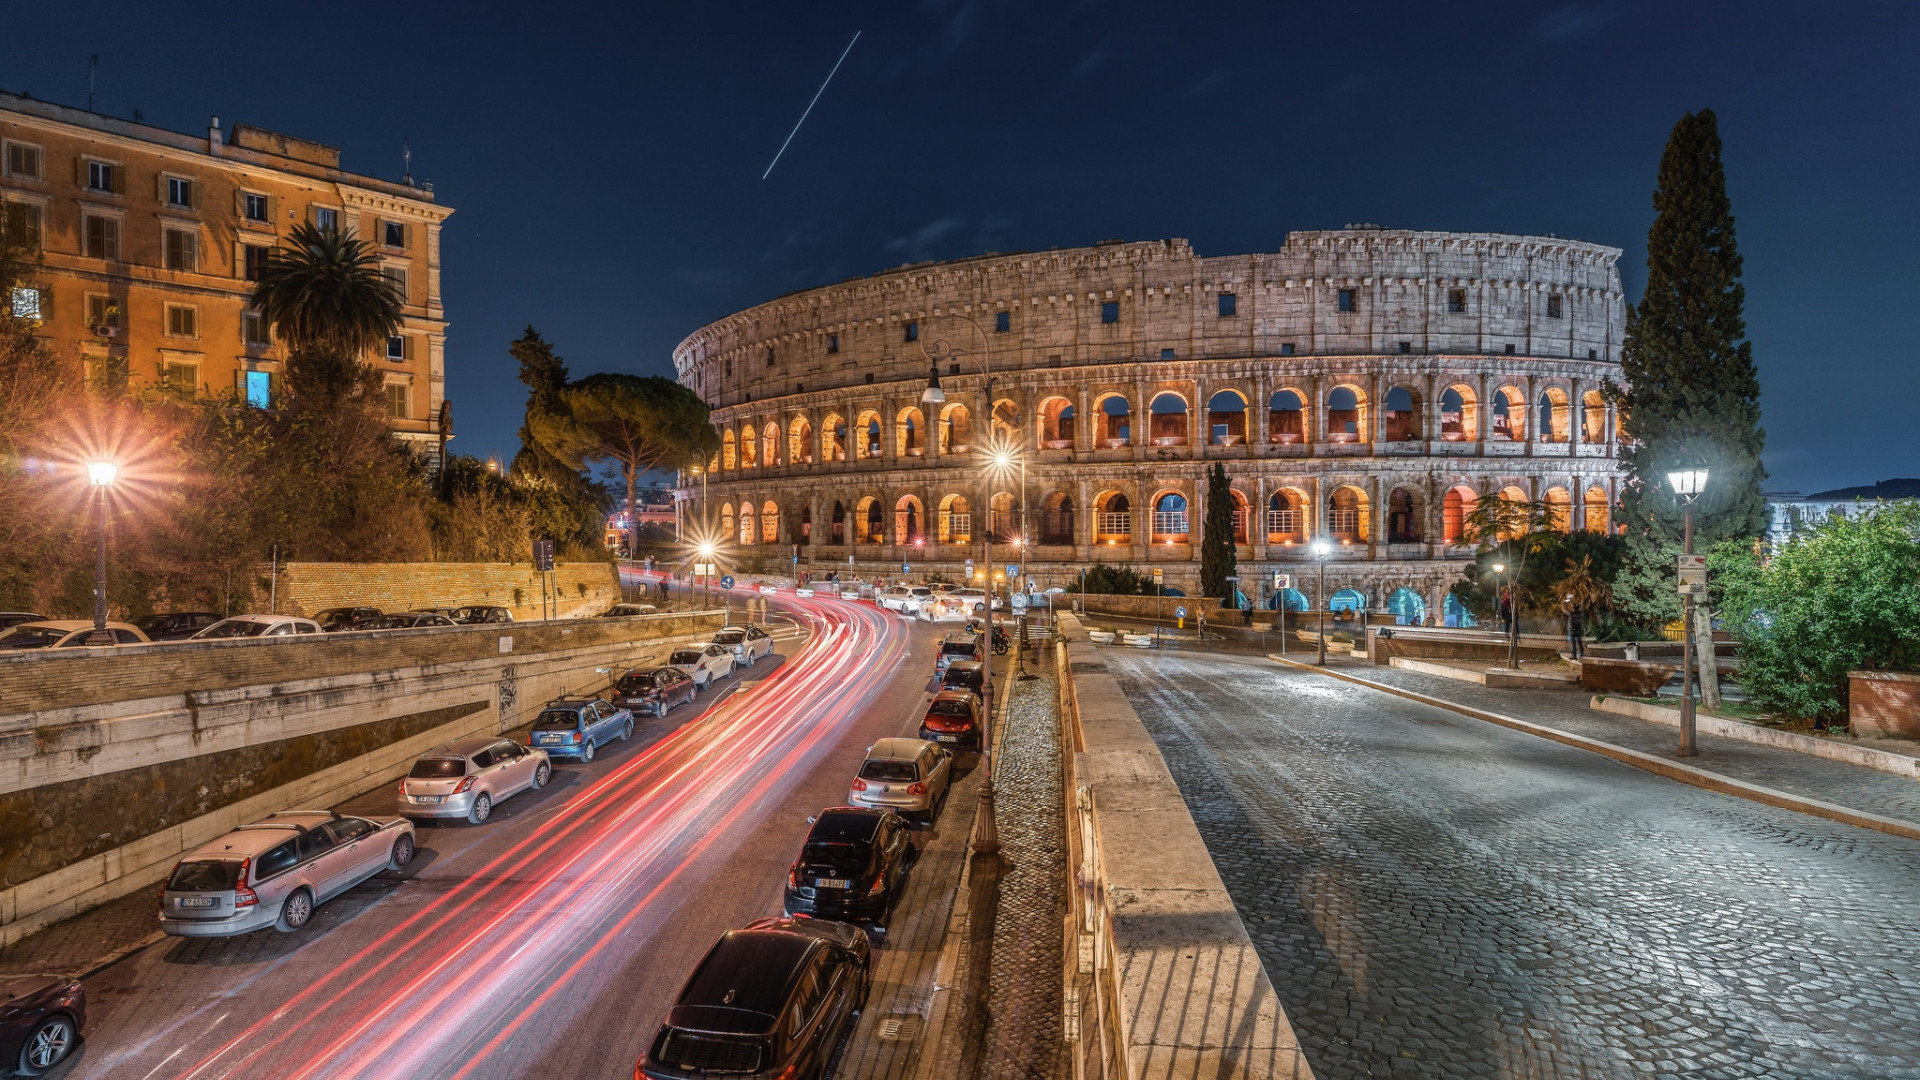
point(48, 1046)
point(482, 808)
point(541, 775)
point(402, 853)
point(660, 708)
point(627, 732)
point(295, 912)
point(586, 753)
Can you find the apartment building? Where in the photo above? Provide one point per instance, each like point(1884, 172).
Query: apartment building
point(152, 239)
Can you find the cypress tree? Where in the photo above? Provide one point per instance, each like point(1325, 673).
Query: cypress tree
point(546, 376)
point(1217, 555)
point(1691, 391)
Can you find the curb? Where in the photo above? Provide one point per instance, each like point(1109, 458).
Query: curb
point(1866, 757)
point(1672, 770)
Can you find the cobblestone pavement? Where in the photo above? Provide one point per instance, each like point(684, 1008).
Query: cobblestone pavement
point(1435, 896)
point(1023, 1036)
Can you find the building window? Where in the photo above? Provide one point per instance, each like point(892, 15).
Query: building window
point(254, 329)
point(256, 207)
point(103, 238)
point(179, 192)
point(1406, 347)
point(326, 219)
point(258, 388)
point(1286, 348)
point(23, 161)
point(1166, 354)
point(1509, 348)
point(25, 302)
point(1593, 354)
point(913, 331)
point(1457, 301)
point(1110, 312)
point(396, 234)
point(833, 343)
point(102, 312)
point(179, 380)
point(1553, 307)
point(1229, 305)
point(1002, 321)
point(727, 367)
point(397, 276)
point(769, 356)
point(396, 346)
point(100, 177)
point(106, 374)
point(397, 401)
point(181, 251)
point(253, 260)
point(23, 225)
point(1345, 301)
point(183, 320)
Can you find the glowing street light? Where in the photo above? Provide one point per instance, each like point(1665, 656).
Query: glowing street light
point(1689, 482)
point(101, 475)
point(1321, 549)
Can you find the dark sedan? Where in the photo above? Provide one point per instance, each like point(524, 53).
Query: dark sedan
point(175, 625)
point(653, 690)
point(849, 869)
point(770, 1001)
point(40, 1020)
point(336, 619)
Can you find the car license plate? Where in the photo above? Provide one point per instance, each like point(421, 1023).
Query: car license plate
point(429, 798)
point(196, 901)
point(948, 738)
point(829, 883)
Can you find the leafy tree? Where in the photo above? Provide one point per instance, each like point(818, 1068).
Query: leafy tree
point(1843, 596)
point(1537, 565)
point(545, 375)
point(634, 423)
point(1691, 390)
point(1115, 581)
point(1581, 589)
point(325, 296)
point(1217, 555)
point(29, 390)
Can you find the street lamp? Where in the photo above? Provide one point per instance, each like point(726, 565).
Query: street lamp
point(1688, 482)
point(101, 475)
point(1322, 549)
point(1513, 618)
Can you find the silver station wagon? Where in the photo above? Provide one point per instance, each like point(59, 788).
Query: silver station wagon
point(466, 779)
point(275, 871)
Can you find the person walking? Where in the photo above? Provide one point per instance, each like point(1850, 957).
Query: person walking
point(1576, 634)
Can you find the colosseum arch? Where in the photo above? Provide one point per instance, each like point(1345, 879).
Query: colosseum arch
point(1554, 421)
point(910, 433)
point(837, 525)
point(1559, 509)
point(1596, 509)
point(803, 530)
point(869, 522)
point(1005, 521)
point(1006, 421)
point(955, 523)
point(713, 463)
point(726, 521)
point(1241, 530)
point(1347, 516)
point(1458, 502)
point(1056, 524)
point(800, 441)
point(909, 521)
point(1459, 414)
point(1509, 415)
point(1287, 517)
point(1287, 417)
point(867, 434)
point(1113, 518)
point(1227, 419)
point(770, 522)
point(1402, 414)
point(1514, 493)
point(1347, 414)
point(1116, 419)
point(770, 445)
point(727, 458)
point(749, 448)
point(1406, 511)
point(1594, 406)
point(749, 523)
point(956, 428)
point(1171, 522)
point(1168, 423)
point(1055, 420)
point(833, 438)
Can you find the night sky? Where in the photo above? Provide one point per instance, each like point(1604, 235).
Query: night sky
point(605, 163)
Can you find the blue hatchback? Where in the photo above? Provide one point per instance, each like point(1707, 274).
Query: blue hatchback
point(573, 728)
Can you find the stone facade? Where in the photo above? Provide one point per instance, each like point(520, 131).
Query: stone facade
point(1363, 385)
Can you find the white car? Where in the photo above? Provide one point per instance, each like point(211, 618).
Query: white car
point(804, 592)
point(768, 590)
point(68, 634)
point(849, 590)
point(252, 626)
point(704, 663)
point(905, 599)
point(746, 643)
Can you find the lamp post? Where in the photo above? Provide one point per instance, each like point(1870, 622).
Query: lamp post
point(1688, 482)
point(1509, 612)
point(1322, 549)
point(101, 475)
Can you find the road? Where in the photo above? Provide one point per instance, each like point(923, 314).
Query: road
point(549, 941)
point(1438, 897)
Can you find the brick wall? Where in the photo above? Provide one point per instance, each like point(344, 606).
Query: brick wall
point(582, 588)
point(1884, 703)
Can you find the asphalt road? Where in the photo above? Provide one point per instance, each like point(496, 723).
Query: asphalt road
point(549, 941)
point(1438, 897)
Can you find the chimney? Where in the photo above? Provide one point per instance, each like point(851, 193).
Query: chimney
point(213, 136)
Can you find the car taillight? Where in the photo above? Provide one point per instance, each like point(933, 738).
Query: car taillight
point(859, 784)
point(793, 875)
point(879, 886)
point(792, 1071)
point(916, 789)
point(243, 896)
point(465, 785)
point(575, 737)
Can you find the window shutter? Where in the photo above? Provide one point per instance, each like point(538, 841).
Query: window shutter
point(80, 172)
point(119, 180)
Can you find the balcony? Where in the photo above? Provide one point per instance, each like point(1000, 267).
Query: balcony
point(1113, 527)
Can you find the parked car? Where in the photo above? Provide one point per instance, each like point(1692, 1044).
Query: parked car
point(575, 727)
point(850, 590)
point(747, 643)
point(653, 690)
point(251, 626)
point(968, 675)
point(275, 871)
point(480, 613)
point(960, 646)
point(905, 599)
point(408, 620)
point(40, 1021)
point(175, 625)
point(466, 779)
point(10, 619)
point(703, 663)
point(953, 718)
point(618, 611)
point(849, 869)
point(68, 634)
point(906, 776)
point(769, 1001)
point(333, 620)
point(804, 592)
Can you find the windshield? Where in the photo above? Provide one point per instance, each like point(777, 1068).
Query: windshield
point(31, 637)
point(214, 875)
point(229, 628)
point(837, 852)
point(438, 768)
point(950, 708)
point(958, 648)
point(923, 592)
point(555, 720)
point(636, 684)
point(729, 637)
point(889, 770)
point(686, 656)
point(708, 1053)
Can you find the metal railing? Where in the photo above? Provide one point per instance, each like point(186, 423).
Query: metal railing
point(1114, 525)
point(959, 528)
point(1344, 523)
point(1169, 523)
point(1283, 523)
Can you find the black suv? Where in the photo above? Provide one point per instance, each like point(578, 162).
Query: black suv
point(772, 1000)
point(849, 869)
point(175, 625)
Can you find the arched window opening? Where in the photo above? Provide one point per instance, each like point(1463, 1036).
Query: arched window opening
point(800, 442)
point(1509, 415)
point(1595, 419)
point(1403, 517)
point(1005, 524)
point(749, 523)
point(1169, 412)
point(1347, 515)
point(1240, 516)
point(909, 524)
point(1408, 607)
point(1170, 519)
point(770, 522)
point(956, 429)
point(868, 525)
point(1291, 598)
point(770, 444)
point(749, 449)
point(1402, 421)
point(1285, 412)
point(1596, 509)
point(1116, 422)
point(1056, 424)
point(1554, 417)
point(1455, 613)
point(1559, 509)
point(726, 520)
point(1227, 419)
point(1349, 600)
point(910, 430)
point(1114, 522)
point(1006, 421)
point(1514, 494)
point(728, 460)
point(956, 521)
point(870, 437)
point(1459, 415)
point(1056, 519)
point(1343, 415)
point(833, 439)
point(1285, 523)
point(838, 535)
point(1454, 508)
point(804, 535)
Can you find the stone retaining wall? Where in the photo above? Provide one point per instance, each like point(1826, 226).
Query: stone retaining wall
point(581, 588)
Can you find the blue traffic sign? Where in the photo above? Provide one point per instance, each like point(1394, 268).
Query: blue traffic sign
point(727, 582)
point(1180, 612)
point(905, 569)
point(1013, 571)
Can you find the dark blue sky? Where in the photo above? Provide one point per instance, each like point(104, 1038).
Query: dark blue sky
point(605, 161)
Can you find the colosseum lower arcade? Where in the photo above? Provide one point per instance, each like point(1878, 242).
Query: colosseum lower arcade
point(1363, 385)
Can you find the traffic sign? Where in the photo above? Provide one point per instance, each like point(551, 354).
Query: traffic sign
point(1282, 581)
point(726, 582)
point(1019, 601)
point(1013, 571)
point(969, 567)
point(905, 569)
point(1180, 612)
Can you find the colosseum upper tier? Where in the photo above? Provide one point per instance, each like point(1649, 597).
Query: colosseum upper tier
point(1364, 385)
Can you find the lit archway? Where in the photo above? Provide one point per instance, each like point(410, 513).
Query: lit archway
point(728, 459)
point(1347, 515)
point(770, 522)
point(1056, 519)
point(1116, 420)
point(1596, 509)
point(1559, 509)
point(1408, 607)
point(749, 523)
point(838, 529)
point(1170, 518)
point(1454, 508)
point(1169, 419)
point(1056, 424)
point(749, 448)
point(1286, 522)
point(955, 524)
point(1346, 415)
point(1006, 421)
point(868, 433)
point(800, 441)
point(1403, 516)
point(956, 428)
point(1226, 419)
point(833, 438)
point(1509, 415)
point(869, 524)
point(909, 521)
point(1554, 419)
point(1594, 408)
point(1286, 417)
point(1113, 519)
point(1240, 515)
point(1402, 417)
point(770, 445)
point(1459, 414)
point(910, 433)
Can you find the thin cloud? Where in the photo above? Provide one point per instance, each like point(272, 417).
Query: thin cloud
point(920, 244)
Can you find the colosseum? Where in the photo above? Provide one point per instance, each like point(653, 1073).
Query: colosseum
point(1364, 385)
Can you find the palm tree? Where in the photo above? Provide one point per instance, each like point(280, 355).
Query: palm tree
point(326, 298)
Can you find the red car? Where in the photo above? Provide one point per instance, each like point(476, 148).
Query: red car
point(953, 718)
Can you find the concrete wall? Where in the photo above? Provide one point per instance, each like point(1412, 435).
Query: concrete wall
point(112, 762)
point(582, 588)
point(1427, 643)
point(1154, 607)
point(1165, 969)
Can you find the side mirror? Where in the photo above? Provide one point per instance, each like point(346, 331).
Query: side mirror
point(812, 820)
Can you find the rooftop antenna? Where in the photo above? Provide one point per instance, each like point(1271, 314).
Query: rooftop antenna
point(406, 163)
point(93, 65)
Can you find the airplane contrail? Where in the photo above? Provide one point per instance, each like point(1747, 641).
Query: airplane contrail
point(809, 108)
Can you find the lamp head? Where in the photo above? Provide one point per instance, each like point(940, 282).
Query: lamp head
point(1499, 568)
point(706, 550)
point(102, 473)
point(933, 395)
point(1688, 481)
point(1321, 549)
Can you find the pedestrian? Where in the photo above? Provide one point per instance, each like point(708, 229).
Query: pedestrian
point(664, 592)
point(1576, 634)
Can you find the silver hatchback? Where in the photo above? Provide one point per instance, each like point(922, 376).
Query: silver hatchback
point(907, 776)
point(466, 779)
point(275, 871)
